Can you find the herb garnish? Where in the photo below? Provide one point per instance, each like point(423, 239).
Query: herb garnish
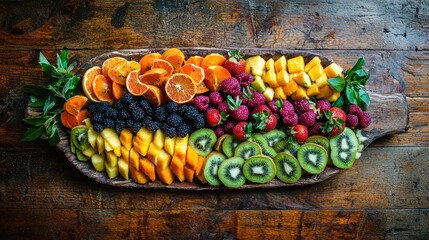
point(50, 98)
point(353, 83)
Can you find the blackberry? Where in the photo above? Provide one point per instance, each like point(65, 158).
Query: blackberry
point(109, 123)
point(160, 113)
point(129, 123)
point(118, 105)
point(111, 112)
point(182, 109)
point(97, 127)
point(200, 121)
point(144, 104)
point(172, 107)
point(191, 112)
point(174, 120)
point(168, 130)
point(137, 114)
point(124, 115)
point(136, 127)
point(119, 125)
point(97, 117)
point(183, 129)
point(127, 98)
point(102, 106)
point(152, 125)
point(131, 107)
point(92, 107)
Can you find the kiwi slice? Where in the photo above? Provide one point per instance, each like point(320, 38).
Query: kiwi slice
point(211, 167)
point(79, 137)
point(263, 143)
point(274, 136)
point(312, 158)
point(82, 157)
point(259, 169)
point(344, 147)
point(230, 172)
point(287, 146)
point(288, 168)
point(203, 141)
point(319, 140)
point(247, 149)
point(229, 145)
point(218, 145)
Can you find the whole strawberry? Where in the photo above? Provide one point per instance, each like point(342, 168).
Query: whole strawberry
point(300, 133)
point(260, 109)
point(214, 117)
point(336, 121)
point(242, 130)
point(230, 86)
point(237, 111)
point(264, 121)
point(235, 64)
point(254, 98)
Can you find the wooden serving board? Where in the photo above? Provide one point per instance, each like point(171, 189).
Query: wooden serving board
point(389, 116)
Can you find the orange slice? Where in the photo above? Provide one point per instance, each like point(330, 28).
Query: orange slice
point(118, 90)
point(155, 76)
point(109, 63)
point(214, 76)
point(213, 59)
point(102, 88)
point(161, 63)
point(74, 104)
point(196, 72)
point(180, 88)
point(133, 84)
point(202, 88)
point(171, 51)
point(195, 60)
point(135, 66)
point(87, 80)
point(154, 95)
point(118, 73)
point(147, 60)
point(177, 60)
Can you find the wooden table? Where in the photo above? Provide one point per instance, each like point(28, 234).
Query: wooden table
point(384, 196)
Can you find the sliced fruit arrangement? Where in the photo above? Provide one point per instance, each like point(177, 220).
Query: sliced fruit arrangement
point(220, 120)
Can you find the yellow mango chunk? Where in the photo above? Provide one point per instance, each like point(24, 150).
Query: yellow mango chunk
point(313, 90)
point(295, 65)
point(324, 92)
point(312, 63)
point(282, 77)
point(299, 94)
point(280, 64)
point(315, 72)
point(302, 79)
point(269, 64)
point(322, 80)
point(270, 78)
point(333, 70)
point(279, 93)
point(290, 87)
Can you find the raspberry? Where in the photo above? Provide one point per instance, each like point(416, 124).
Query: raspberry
point(355, 109)
point(223, 107)
point(219, 131)
point(201, 102)
point(256, 99)
point(290, 119)
point(215, 98)
point(364, 119)
point(245, 79)
point(239, 114)
point(275, 105)
point(229, 126)
point(352, 120)
point(315, 129)
point(231, 86)
point(308, 118)
point(323, 105)
point(287, 108)
point(301, 106)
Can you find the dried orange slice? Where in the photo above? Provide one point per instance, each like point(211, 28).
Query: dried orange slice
point(102, 88)
point(202, 88)
point(109, 63)
point(154, 95)
point(147, 60)
point(161, 63)
point(180, 88)
point(87, 80)
point(214, 76)
point(118, 90)
point(177, 60)
point(195, 60)
point(213, 59)
point(196, 72)
point(133, 84)
point(171, 51)
point(155, 76)
point(118, 73)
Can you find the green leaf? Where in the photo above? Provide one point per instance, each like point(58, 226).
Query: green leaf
point(33, 133)
point(363, 95)
point(350, 94)
point(54, 138)
point(64, 57)
point(42, 59)
point(49, 104)
point(36, 121)
point(50, 70)
point(358, 65)
point(337, 83)
point(37, 103)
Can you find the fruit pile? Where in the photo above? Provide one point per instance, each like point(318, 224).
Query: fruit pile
point(224, 120)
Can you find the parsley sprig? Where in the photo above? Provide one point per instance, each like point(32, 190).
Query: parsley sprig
point(50, 98)
point(352, 86)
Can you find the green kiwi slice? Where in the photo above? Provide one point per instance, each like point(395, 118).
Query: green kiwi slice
point(319, 140)
point(218, 145)
point(211, 167)
point(344, 147)
point(229, 145)
point(247, 149)
point(287, 146)
point(259, 169)
point(263, 143)
point(230, 172)
point(79, 137)
point(203, 141)
point(274, 136)
point(288, 168)
point(312, 158)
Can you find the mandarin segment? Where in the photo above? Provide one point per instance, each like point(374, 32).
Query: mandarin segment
point(118, 73)
point(155, 76)
point(161, 63)
point(118, 90)
point(134, 85)
point(103, 88)
point(195, 60)
point(196, 72)
point(147, 61)
point(154, 95)
point(74, 104)
point(176, 61)
point(109, 63)
point(87, 80)
point(171, 51)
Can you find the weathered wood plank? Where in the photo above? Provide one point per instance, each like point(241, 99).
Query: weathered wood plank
point(293, 24)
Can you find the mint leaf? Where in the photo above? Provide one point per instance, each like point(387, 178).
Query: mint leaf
point(337, 83)
point(33, 133)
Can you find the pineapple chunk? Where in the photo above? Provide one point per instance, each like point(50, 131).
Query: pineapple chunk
point(269, 65)
point(100, 144)
point(302, 79)
point(313, 90)
point(322, 80)
point(324, 92)
point(111, 137)
point(257, 65)
point(97, 161)
point(333, 70)
point(271, 78)
point(268, 94)
point(92, 137)
point(169, 144)
point(181, 148)
point(123, 168)
point(112, 172)
point(282, 77)
point(279, 93)
point(280, 64)
point(126, 138)
point(315, 72)
point(312, 63)
point(299, 94)
point(296, 64)
point(335, 95)
point(142, 140)
point(258, 84)
point(158, 139)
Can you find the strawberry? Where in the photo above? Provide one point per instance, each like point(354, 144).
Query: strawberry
point(300, 133)
point(237, 111)
point(336, 121)
point(261, 108)
point(270, 123)
point(242, 130)
point(214, 117)
point(235, 64)
point(264, 121)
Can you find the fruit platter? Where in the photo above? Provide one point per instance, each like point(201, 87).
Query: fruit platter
point(206, 118)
